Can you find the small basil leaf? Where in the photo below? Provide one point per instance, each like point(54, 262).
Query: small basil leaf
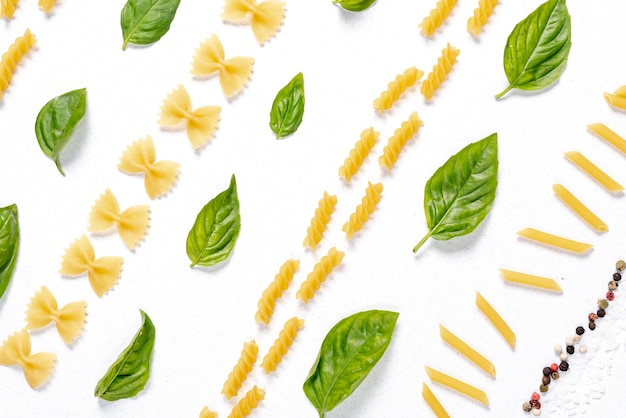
point(129, 374)
point(56, 122)
point(215, 231)
point(536, 51)
point(288, 108)
point(459, 194)
point(348, 353)
point(146, 21)
point(9, 242)
point(355, 5)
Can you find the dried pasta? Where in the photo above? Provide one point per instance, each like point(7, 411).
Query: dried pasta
point(241, 370)
point(323, 212)
point(363, 210)
point(319, 274)
point(554, 240)
point(13, 56)
point(200, 124)
point(608, 135)
point(481, 15)
point(103, 273)
point(43, 309)
point(397, 142)
point(463, 348)
point(246, 404)
point(234, 73)
point(47, 5)
point(495, 318)
point(139, 158)
point(530, 280)
point(403, 81)
point(618, 98)
point(457, 385)
point(433, 402)
point(358, 154)
point(265, 17)
point(440, 71)
point(16, 351)
point(207, 413)
point(280, 347)
point(577, 206)
point(7, 8)
point(275, 290)
point(594, 171)
point(435, 18)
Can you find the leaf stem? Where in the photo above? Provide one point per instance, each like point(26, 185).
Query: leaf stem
point(505, 91)
point(422, 241)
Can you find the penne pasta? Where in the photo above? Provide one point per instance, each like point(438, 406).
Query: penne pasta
point(554, 240)
point(455, 384)
point(530, 280)
point(496, 319)
point(577, 206)
point(594, 171)
point(471, 354)
point(433, 402)
point(618, 98)
point(608, 135)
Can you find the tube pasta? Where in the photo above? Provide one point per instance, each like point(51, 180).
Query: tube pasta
point(530, 280)
point(13, 56)
point(320, 271)
point(481, 15)
point(241, 370)
point(398, 141)
point(463, 348)
point(323, 212)
point(364, 210)
point(358, 154)
point(246, 404)
point(457, 385)
point(433, 402)
point(207, 413)
point(618, 98)
point(7, 8)
point(265, 17)
point(275, 290)
point(577, 206)
point(47, 5)
point(608, 135)
point(395, 88)
point(554, 240)
point(440, 71)
point(16, 351)
point(285, 339)
point(594, 171)
point(495, 318)
point(436, 17)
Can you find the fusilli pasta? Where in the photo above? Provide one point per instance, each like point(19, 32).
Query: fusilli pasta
point(397, 142)
point(364, 210)
point(387, 98)
point(7, 8)
point(440, 71)
point(13, 56)
point(323, 212)
point(207, 413)
point(436, 16)
point(481, 15)
point(246, 404)
point(358, 154)
point(265, 17)
point(275, 290)
point(16, 351)
point(285, 339)
point(47, 5)
point(241, 370)
point(320, 271)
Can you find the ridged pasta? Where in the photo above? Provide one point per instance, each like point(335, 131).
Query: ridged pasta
point(280, 347)
point(200, 123)
point(13, 56)
point(358, 154)
point(246, 404)
point(275, 290)
point(43, 309)
point(398, 141)
point(265, 17)
point(440, 71)
point(436, 16)
point(320, 271)
point(131, 224)
point(103, 273)
point(481, 15)
point(241, 370)
point(234, 73)
point(16, 351)
point(47, 5)
point(7, 8)
point(618, 98)
point(364, 210)
point(323, 212)
point(207, 413)
point(139, 158)
point(403, 81)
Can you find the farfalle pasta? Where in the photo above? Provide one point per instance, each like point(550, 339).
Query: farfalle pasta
point(16, 351)
point(361, 150)
point(363, 211)
point(395, 88)
point(323, 212)
point(436, 16)
point(47, 5)
point(280, 347)
point(399, 139)
point(482, 13)
point(200, 123)
point(7, 8)
point(240, 371)
point(246, 404)
point(265, 17)
point(440, 71)
point(319, 274)
point(275, 290)
point(13, 56)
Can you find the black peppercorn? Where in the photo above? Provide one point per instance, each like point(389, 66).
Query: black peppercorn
point(570, 349)
point(554, 375)
point(579, 331)
point(564, 366)
point(546, 371)
point(592, 326)
point(546, 380)
point(617, 277)
point(601, 312)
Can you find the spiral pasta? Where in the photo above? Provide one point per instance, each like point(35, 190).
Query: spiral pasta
point(16, 351)
point(358, 154)
point(47, 5)
point(246, 404)
point(398, 141)
point(275, 290)
point(324, 210)
point(364, 210)
point(481, 15)
point(436, 16)
point(207, 413)
point(320, 271)
point(241, 370)
point(13, 56)
point(285, 339)
point(265, 17)
point(440, 71)
point(7, 8)
point(387, 98)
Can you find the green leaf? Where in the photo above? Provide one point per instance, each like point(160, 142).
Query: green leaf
point(288, 108)
point(460, 193)
point(9, 243)
point(536, 51)
point(131, 371)
point(348, 353)
point(56, 122)
point(215, 231)
point(146, 21)
point(355, 5)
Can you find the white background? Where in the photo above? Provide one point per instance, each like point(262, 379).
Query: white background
point(202, 317)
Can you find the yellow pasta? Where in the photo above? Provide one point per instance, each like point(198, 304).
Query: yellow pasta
point(265, 17)
point(43, 309)
point(440, 71)
point(436, 17)
point(275, 290)
point(577, 206)
point(395, 88)
point(13, 56)
point(241, 370)
point(364, 210)
point(280, 347)
point(530, 280)
point(234, 73)
point(397, 142)
point(103, 273)
point(246, 404)
point(361, 150)
point(139, 158)
point(618, 98)
point(207, 413)
point(47, 5)
point(7, 8)
point(495, 318)
point(594, 171)
point(608, 135)
point(324, 210)
point(457, 385)
point(433, 402)
point(471, 354)
point(481, 15)
point(554, 240)
point(16, 351)
point(319, 274)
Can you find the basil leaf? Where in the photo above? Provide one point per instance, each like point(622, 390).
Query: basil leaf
point(536, 51)
point(460, 193)
point(288, 108)
point(348, 353)
point(354, 5)
point(215, 231)
point(146, 21)
point(9, 242)
point(129, 374)
point(56, 122)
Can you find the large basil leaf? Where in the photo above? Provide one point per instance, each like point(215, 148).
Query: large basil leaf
point(536, 51)
point(348, 353)
point(9, 242)
point(215, 231)
point(146, 21)
point(56, 122)
point(460, 193)
point(130, 372)
point(354, 5)
point(288, 108)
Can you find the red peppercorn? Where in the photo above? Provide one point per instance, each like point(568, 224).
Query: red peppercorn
point(554, 367)
point(592, 317)
point(610, 295)
point(535, 396)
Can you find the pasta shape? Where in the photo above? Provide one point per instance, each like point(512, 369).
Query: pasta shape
point(234, 73)
point(275, 290)
point(397, 142)
point(16, 351)
point(47, 5)
point(361, 150)
point(324, 210)
point(395, 88)
point(481, 15)
point(608, 135)
point(440, 71)
point(530, 280)
point(457, 385)
point(463, 348)
point(618, 98)
point(436, 17)
point(207, 413)
point(200, 123)
point(139, 158)
point(285, 339)
point(246, 404)
point(103, 273)
point(13, 56)
point(554, 240)
point(364, 210)
point(581, 210)
point(265, 17)
point(320, 271)
point(131, 224)
point(495, 318)
point(7, 8)
point(594, 171)
point(433, 402)
point(43, 309)
point(241, 370)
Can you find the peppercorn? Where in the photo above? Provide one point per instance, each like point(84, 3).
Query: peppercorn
point(546, 380)
point(580, 330)
point(592, 326)
point(543, 388)
point(601, 312)
point(535, 404)
point(554, 367)
point(536, 412)
point(570, 349)
point(592, 317)
point(620, 265)
point(569, 341)
point(603, 303)
point(582, 349)
point(546, 371)
point(610, 295)
point(617, 277)
point(612, 285)
point(577, 338)
point(555, 375)
point(527, 407)
point(535, 396)
point(564, 366)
